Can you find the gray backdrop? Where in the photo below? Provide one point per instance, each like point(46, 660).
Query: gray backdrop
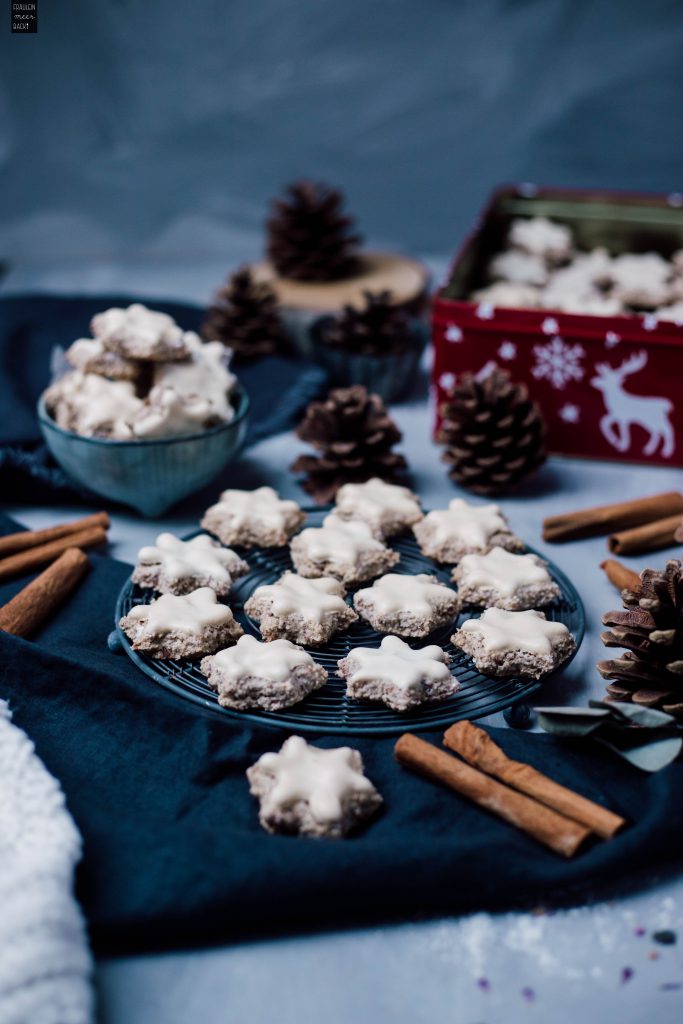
point(162, 127)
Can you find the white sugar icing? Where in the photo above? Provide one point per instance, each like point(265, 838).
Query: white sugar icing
point(502, 571)
point(85, 353)
point(274, 661)
point(472, 525)
point(168, 414)
point(188, 614)
point(137, 323)
point(541, 236)
point(516, 631)
point(314, 599)
point(201, 556)
point(398, 663)
point(205, 373)
point(99, 405)
point(375, 499)
point(419, 594)
point(339, 540)
point(325, 779)
point(263, 505)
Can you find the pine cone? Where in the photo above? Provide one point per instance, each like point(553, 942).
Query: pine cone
point(244, 316)
point(650, 629)
point(310, 238)
point(379, 328)
point(354, 434)
point(494, 434)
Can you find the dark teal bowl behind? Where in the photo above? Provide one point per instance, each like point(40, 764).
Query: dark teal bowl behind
point(149, 476)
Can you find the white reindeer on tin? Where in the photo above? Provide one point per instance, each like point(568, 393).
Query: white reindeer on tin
point(624, 409)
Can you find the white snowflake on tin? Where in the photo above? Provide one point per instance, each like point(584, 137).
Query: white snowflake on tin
point(485, 311)
point(550, 325)
point(508, 350)
point(612, 339)
point(558, 363)
point(570, 413)
point(650, 321)
point(447, 381)
point(453, 333)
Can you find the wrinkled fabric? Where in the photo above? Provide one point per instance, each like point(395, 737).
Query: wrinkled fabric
point(173, 853)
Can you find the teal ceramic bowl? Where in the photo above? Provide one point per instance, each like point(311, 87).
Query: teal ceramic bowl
point(149, 476)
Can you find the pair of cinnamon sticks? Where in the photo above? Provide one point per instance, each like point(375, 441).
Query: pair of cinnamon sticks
point(634, 527)
point(61, 548)
point(550, 813)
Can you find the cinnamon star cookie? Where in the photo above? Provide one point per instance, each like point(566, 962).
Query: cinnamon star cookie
point(503, 643)
point(271, 675)
point(253, 518)
point(344, 549)
point(174, 566)
point(302, 610)
point(502, 579)
point(139, 333)
point(398, 675)
point(304, 790)
point(407, 605)
point(387, 508)
point(447, 534)
point(181, 627)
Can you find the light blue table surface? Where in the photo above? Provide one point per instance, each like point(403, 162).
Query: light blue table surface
point(550, 969)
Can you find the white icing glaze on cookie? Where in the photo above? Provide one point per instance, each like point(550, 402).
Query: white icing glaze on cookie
point(168, 414)
point(205, 373)
point(339, 540)
point(314, 599)
point(275, 660)
point(188, 614)
point(97, 405)
point(398, 663)
point(541, 237)
point(519, 268)
point(516, 631)
point(200, 556)
point(394, 592)
point(263, 505)
point(376, 500)
point(642, 277)
point(325, 779)
point(136, 323)
point(502, 570)
point(472, 525)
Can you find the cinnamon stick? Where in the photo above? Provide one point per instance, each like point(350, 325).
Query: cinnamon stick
point(39, 599)
point(479, 750)
point(622, 577)
point(35, 558)
point(14, 542)
point(560, 834)
point(590, 522)
point(650, 537)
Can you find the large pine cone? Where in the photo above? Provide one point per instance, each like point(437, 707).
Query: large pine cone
point(354, 434)
point(650, 629)
point(376, 329)
point(494, 434)
point(310, 237)
point(244, 316)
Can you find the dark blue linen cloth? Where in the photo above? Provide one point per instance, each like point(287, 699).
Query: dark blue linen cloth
point(31, 326)
point(173, 852)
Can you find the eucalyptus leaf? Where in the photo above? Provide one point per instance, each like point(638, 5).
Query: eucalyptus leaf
point(571, 721)
point(650, 756)
point(647, 718)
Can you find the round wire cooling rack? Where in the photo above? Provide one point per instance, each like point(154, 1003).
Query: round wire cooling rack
point(329, 710)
